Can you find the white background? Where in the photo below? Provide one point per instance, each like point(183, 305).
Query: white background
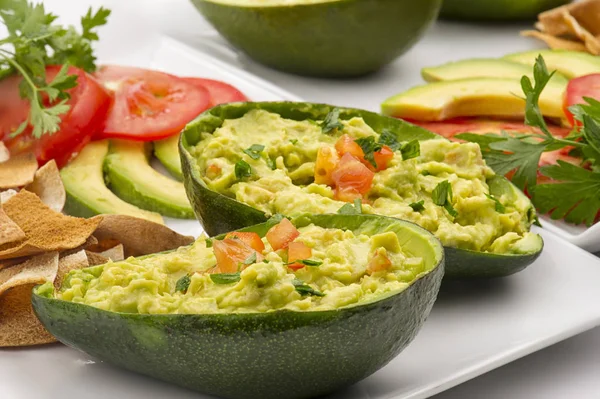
point(567, 370)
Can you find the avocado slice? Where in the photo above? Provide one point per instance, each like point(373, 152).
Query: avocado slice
point(327, 38)
point(131, 177)
point(87, 194)
point(280, 353)
point(497, 10)
point(570, 63)
point(482, 68)
point(502, 97)
point(219, 213)
point(167, 152)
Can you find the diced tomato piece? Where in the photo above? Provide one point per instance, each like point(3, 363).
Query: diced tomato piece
point(347, 145)
point(213, 171)
point(253, 240)
point(378, 263)
point(231, 255)
point(282, 234)
point(577, 89)
point(327, 160)
point(382, 158)
point(350, 173)
point(298, 251)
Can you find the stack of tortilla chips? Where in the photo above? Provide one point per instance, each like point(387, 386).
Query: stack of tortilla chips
point(574, 27)
point(39, 244)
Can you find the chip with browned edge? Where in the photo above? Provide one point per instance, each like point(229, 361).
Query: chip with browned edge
point(17, 171)
point(48, 185)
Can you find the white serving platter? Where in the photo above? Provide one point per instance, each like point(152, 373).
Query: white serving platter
point(474, 327)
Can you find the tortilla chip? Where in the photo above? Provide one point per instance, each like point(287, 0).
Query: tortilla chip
point(555, 43)
point(10, 232)
point(17, 171)
point(6, 195)
point(587, 14)
point(95, 259)
point(592, 44)
point(4, 154)
point(18, 324)
point(48, 185)
point(149, 237)
point(46, 230)
point(116, 253)
point(36, 270)
point(78, 260)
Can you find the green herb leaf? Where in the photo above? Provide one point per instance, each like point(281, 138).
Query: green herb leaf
point(520, 155)
point(305, 289)
point(294, 141)
point(412, 149)
point(533, 114)
point(358, 205)
point(209, 243)
point(576, 198)
point(225, 278)
point(418, 206)
point(254, 151)
point(271, 163)
point(332, 122)
point(274, 220)
point(388, 138)
point(369, 147)
point(91, 21)
point(498, 205)
point(484, 140)
point(442, 196)
point(183, 284)
point(242, 170)
point(350, 209)
point(250, 259)
point(308, 262)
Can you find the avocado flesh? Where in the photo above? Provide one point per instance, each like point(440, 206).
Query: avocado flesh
point(167, 152)
point(497, 10)
point(340, 38)
point(281, 354)
point(132, 178)
point(219, 213)
point(87, 194)
point(443, 100)
point(570, 63)
point(483, 68)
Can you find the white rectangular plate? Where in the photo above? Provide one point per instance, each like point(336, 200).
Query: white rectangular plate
point(474, 327)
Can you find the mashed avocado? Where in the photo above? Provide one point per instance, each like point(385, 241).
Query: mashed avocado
point(340, 276)
point(281, 180)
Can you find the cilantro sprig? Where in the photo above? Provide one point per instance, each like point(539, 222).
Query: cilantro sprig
point(35, 41)
point(574, 193)
point(442, 196)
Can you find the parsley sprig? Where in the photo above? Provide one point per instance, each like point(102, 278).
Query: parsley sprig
point(575, 192)
point(35, 41)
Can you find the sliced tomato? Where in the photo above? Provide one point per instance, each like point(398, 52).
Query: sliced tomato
point(89, 104)
point(378, 262)
point(382, 158)
point(351, 174)
point(220, 92)
point(253, 240)
point(231, 254)
point(347, 145)
point(452, 127)
point(282, 234)
point(577, 89)
point(327, 160)
point(298, 250)
point(149, 105)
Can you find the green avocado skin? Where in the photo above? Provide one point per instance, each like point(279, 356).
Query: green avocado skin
point(497, 10)
point(219, 214)
point(342, 38)
point(281, 354)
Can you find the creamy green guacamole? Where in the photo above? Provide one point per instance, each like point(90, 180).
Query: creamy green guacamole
point(149, 284)
point(291, 147)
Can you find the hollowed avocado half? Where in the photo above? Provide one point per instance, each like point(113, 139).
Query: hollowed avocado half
point(219, 213)
point(276, 354)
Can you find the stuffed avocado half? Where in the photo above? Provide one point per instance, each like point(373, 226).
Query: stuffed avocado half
point(244, 162)
point(266, 311)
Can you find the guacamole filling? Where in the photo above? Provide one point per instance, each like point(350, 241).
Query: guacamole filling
point(269, 162)
point(343, 269)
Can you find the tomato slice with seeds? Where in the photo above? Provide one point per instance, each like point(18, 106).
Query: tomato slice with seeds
point(253, 240)
point(220, 92)
point(231, 254)
point(89, 104)
point(351, 174)
point(298, 250)
point(149, 105)
point(282, 234)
